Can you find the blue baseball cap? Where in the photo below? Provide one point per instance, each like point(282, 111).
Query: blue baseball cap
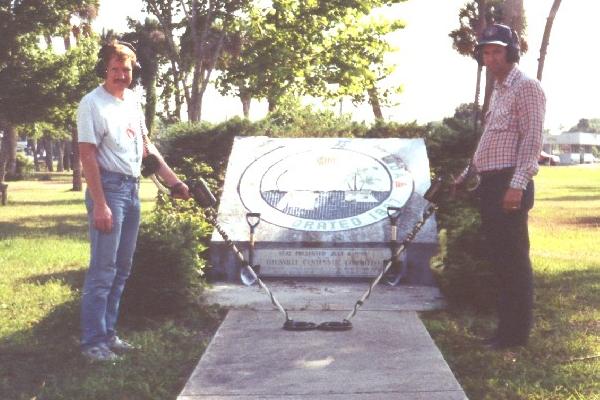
point(498, 34)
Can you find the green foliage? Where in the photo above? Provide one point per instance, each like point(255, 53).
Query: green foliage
point(451, 143)
point(34, 80)
point(461, 268)
point(326, 49)
point(463, 273)
point(352, 59)
point(188, 144)
point(167, 272)
point(382, 129)
point(294, 120)
point(29, 19)
point(23, 169)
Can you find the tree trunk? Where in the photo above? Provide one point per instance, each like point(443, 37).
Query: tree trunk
point(150, 104)
point(76, 164)
point(195, 104)
point(178, 104)
point(47, 142)
point(68, 156)
point(489, 87)
point(272, 104)
point(8, 150)
point(34, 148)
point(480, 25)
point(60, 148)
point(476, 116)
point(546, 38)
point(375, 104)
point(179, 77)
point(245, 98)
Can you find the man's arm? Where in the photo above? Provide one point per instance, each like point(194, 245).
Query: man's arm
point(532, 104)
point(102, 214)
point(179, 189)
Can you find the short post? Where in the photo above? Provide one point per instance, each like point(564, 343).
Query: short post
point(4, 190)
point(397, 270)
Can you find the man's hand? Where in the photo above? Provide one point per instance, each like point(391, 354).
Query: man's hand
point(180, 191)
point(512, 200)
point(103, 220)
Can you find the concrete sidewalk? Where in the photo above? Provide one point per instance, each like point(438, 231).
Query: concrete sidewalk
point(388, 354)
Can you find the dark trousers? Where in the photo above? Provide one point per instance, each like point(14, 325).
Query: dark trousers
point(507, 240)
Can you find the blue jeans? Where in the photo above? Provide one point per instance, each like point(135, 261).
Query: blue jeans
point(111, 256)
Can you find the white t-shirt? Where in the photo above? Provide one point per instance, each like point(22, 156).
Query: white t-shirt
point(115, 126)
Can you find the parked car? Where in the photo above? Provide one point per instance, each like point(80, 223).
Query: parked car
point(548, 159)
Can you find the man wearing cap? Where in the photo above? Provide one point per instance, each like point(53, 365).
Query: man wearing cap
point(506, 161)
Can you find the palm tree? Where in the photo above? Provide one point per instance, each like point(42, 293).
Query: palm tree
point(546, 37)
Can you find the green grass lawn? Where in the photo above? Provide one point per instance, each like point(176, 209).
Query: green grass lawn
point(562, 360)
point(44, 254)
point(43, 257)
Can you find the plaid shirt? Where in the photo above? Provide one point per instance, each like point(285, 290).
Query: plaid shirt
point(512, 137)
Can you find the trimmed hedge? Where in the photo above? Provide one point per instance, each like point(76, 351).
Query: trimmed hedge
point(167, 274)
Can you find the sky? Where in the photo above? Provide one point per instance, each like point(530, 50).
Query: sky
point(436, 79)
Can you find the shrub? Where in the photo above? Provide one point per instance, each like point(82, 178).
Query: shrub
point(23, 169)
point(187, 144)
point(168, 268)
point(462, 271)
point(295, 120)
point(382, 129)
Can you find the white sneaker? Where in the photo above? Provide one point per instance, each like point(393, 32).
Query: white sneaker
point(119, 345)
point(100, 353)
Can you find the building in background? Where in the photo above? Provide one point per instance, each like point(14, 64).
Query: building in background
point(573, 147)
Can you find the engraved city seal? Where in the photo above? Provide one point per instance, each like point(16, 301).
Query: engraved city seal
point(325, 189)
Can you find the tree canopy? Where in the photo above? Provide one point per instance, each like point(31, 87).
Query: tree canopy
point(323, 49)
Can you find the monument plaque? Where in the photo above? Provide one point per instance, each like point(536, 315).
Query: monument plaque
point(324, 204)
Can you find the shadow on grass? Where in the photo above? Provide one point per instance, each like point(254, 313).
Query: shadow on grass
point(588, 221)
point(72, 278)
point(564, 331)
point(570, 198)
point(49, 203)
point(31, 359)
point(43, 226)
point(44, 362)
point(584, 189)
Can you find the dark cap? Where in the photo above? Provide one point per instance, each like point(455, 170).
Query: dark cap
point(498, 34)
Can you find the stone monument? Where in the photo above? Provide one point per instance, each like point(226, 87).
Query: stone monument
point(323, 205)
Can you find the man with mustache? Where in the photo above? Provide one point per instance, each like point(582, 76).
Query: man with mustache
point(112, 143)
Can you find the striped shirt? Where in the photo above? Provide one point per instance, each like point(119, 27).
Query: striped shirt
point(512, 137)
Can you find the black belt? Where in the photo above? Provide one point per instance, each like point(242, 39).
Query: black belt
point(497, 173)
point(124, 177)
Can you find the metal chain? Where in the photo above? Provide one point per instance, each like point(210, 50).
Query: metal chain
point(245, 263)
point(409, 238)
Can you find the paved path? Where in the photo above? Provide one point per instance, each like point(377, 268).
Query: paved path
point(388, 354)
